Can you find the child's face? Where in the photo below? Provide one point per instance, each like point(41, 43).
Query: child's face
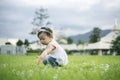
point(44, 39)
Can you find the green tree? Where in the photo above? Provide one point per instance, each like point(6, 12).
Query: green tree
point(69, 40)
point(116, 44)
point(95, 36)
point(26, 42)
point(8, 43)
point(40, 19)
point(80, 42)
point(19, 43)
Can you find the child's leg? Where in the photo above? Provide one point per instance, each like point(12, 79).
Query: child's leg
point(53, 62)
point(45, 61)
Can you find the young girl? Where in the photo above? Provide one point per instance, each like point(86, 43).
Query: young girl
point(53, 54)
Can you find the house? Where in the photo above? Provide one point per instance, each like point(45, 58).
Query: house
point(103, 46)
point(11, 49)
point(4, 40)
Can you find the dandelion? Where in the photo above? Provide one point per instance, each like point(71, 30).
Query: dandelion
point(18, 73)
point(20, 65)
point(55, 77)
point(81, 69)
point(22, 73)
point(105, 67)
point(30, 73)
point(91, 69)
point(13, 70)
point(44, 69)
point(5, 65)
point(84, 63)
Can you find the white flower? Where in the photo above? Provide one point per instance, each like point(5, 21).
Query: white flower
point(18, 73)
point(55, 77)
point(13, 70)
point(105, 67)
point(5, 65)
point(22, 73)
point(30, 73)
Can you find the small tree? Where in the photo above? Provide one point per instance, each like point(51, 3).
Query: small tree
point(80, 42)
point(116, 44)
point(26, 43)
point(40, 19)
point(69, 40)
point(95, 36)
point(19, 43)
point(8, 43)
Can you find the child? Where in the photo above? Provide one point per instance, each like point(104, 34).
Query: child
point(53, 54)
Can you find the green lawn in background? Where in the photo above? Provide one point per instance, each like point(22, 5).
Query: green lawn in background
point(79, 68)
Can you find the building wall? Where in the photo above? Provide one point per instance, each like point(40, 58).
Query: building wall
point(12, 50)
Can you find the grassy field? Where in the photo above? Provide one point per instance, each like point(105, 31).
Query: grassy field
point(79, 68)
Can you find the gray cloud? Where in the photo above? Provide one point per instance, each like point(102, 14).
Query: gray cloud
point(16, 17)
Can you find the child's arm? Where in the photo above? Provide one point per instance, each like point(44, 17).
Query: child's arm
point(44, 53)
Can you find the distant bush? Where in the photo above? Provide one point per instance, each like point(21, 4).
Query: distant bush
point(39, 51)
point(7, 43)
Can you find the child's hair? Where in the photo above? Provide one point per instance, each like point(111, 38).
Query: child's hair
point(46, 30)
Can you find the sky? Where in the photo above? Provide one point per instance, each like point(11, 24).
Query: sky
point(68, 17)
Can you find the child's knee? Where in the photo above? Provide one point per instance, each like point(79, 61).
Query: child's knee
point(44, 61)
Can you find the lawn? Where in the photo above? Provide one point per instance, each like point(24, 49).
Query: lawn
point(79, 68)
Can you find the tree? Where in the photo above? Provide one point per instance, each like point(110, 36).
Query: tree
point(80, 42)
point(69, 40)
point(8, 43)
point(26, 42)
point(19, 43)
point(95, 36)
point(40, 19)
point(116, 44)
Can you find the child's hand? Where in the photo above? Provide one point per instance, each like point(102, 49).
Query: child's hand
point(37, 60)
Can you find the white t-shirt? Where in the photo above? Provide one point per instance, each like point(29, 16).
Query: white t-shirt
point(58, 53)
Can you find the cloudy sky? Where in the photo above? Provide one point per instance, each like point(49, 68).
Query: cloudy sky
point(70, 16)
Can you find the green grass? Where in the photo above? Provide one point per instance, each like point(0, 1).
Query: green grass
point(79, 68)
